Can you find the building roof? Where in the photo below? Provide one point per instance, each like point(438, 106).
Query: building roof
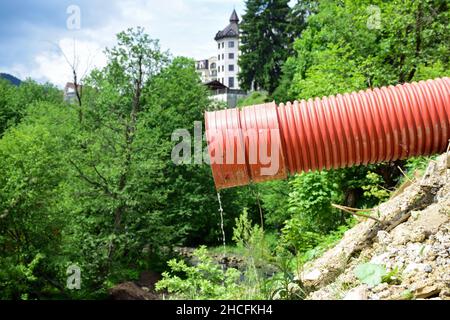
point(234, 17)
point(232, 30)
point(215, 85)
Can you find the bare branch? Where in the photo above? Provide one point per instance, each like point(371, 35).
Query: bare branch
point(354, 212)
point(91, 181)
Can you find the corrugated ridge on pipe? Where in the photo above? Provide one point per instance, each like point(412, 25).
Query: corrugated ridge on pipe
point(371, 126)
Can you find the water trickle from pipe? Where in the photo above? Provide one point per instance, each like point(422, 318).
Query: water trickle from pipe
point(221, 223)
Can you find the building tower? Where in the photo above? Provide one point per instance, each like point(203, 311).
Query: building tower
point(228, 53)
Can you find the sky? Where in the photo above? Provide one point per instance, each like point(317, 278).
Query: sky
point(38, 37)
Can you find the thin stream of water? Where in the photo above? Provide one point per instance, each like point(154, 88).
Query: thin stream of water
point(221, 222)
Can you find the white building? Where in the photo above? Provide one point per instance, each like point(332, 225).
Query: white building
point(228, 53)
point(207, 69)
point(220, 73)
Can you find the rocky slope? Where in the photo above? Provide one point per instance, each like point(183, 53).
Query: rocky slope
point(411, 243)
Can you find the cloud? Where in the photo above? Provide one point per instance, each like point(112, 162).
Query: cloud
point(31, 31)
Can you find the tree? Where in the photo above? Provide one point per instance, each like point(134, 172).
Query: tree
point(117, 194)
point(298, 18)
point(176, 99)
point(264, 43)
point(409, 36)
point(14, 100)
point(33, 174)
point(341, 50)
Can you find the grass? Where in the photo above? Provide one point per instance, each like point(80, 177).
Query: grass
point(228, 250)
point(270, 238)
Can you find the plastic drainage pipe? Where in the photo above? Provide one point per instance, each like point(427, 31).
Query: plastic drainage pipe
point(268, 142)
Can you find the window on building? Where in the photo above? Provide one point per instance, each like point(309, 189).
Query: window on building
point(218, 57)
point(223, 81)
point(223, 56)
point(231, 56)
point(230, 44)
point(223, 45)
point(231, 67)
point(231, 82)
point(218, 46)
point(213, 66)
point(223, 68)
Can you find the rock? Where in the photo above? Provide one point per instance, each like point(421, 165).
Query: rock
point(384, 294)
point(426, 292)
point(358, 293)
point(130, 291)
point(415, 214)
point(381, 287)
point(413, 266)
point(414, 236)
point(383, 237)
point(428, 268)
point(418, 235)
point(445, 294)
point(313, 275)
point(400, 235)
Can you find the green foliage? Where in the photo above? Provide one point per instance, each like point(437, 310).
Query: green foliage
point(340, 51)
point(374, 274)
point(255, 98)
point(275, 202)
point(257, 257)
point(176, 99)
point(310, 201)
point(407, 295)
point(393, 277)
point(14, 101)
point(295, 238)
point(283, 285)
point(325, 242)
point(95, 186)
point(332, 71)
point(373, 188)
point(33, 171)
point(264, 40)
point(204, 281)
point(417, 164)
point(370, 274)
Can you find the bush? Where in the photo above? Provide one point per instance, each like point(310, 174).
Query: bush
point(204, 281)
point(255, 98)
point(310, 201)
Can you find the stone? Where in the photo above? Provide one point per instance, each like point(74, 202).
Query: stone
point(384, 237)
point(313, 275)
point(418, 234)
point(427, 292)
point(400, 235)
point(415, 214)
point(384, 294)
point(358, 293)
point(380, 259)
point(381, 287)
point(413, 266)
point(428, 268)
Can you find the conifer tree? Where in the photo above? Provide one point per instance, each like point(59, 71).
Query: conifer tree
point(264, 43)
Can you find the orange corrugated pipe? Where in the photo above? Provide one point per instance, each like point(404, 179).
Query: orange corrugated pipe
point(267, 142)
